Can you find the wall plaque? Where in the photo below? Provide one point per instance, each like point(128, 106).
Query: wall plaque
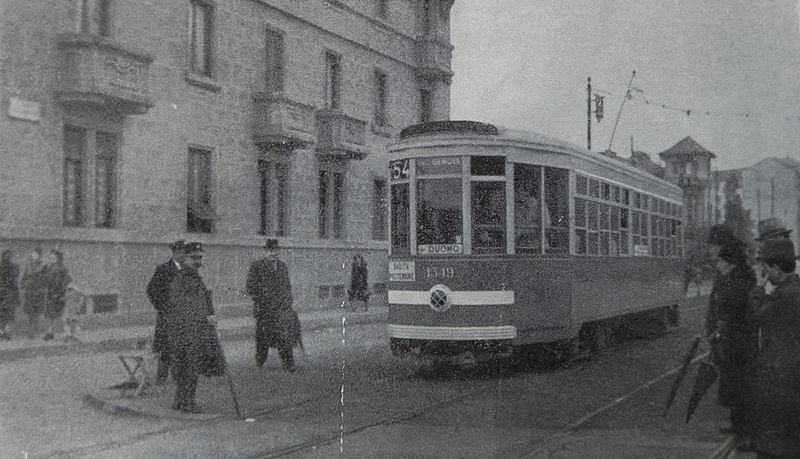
point(24, 109)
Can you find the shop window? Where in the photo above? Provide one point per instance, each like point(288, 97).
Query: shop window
point(90, 177)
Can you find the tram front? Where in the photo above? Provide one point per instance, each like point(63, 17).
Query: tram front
point(448, 293)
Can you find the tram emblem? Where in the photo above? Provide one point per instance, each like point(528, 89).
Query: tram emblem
point(440, 298)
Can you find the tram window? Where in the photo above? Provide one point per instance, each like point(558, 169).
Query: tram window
point(668, 250)
point(580, 242)
point(593, 215)
point(635, 222)
point(643, 223)
point(615, 194)
point(527, 208)
point(593, 243)
point(603, 216)
point(400, 219)
point(488, 165)
point(662, 248)
point(654, 251)
point(556, 195)
point(626, 197)
point(581, 185)
point(654, 225)
point(604, 243)
point(606, 191)
point(615, 218)
point(580, 213)
point(645, 202)
point(637, 200)
point(613, 246)
point(623, 218)
point(623, 242)
point(488, 217)
point(439, 211)
point(594, 188)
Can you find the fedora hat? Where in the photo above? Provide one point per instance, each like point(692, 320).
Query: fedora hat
point(771, 228)
point(776, 250)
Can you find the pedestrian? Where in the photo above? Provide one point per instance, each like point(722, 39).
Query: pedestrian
point(34, 290)
point(359, 286)
point(188, 316)
point(277, 324)
point(719, 236)
point(735, 340)
point(57, 279)
point(9, 292)
point(158, 293)
point(776, 313)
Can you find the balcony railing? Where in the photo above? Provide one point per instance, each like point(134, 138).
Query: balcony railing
point(280, 122)
point(98, 72)
point(340, 135)
point(433, 58)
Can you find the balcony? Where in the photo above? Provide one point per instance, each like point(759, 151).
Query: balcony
point(96, 72)
point(433, 59)
point(281, 123)
point(340, 136)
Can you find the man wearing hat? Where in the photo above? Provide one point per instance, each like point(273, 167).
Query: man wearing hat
point(776, 313)
point(188, 317)
point(772, 228)
point(269, 286)
point(158, 293)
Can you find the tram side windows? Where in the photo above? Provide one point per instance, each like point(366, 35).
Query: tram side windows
point(594, 188)
point(556, 198)
point(624, 229)
point(488, 165)
point(580, 226)
point(488, 217)
point(593, 236)
point(527, 208)
point(581, 185)
point(439, 211)
point(401, 228)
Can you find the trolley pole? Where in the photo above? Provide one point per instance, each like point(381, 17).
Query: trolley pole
point(589, 113)
point(627, 94)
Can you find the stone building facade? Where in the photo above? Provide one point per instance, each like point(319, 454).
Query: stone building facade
point(127, 125)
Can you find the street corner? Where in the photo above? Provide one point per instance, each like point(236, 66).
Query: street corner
point(153, 402)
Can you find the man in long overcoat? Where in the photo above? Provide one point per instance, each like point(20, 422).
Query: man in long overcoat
point(158, 293)
point(776, 313)
point(188, 317)
point(276, 322)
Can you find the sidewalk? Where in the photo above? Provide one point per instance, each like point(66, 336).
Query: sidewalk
point(109, 339)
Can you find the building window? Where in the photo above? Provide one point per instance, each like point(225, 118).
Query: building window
point(331, 187)
point(381, 96)
point(200, 26)
point(332, 80)
point(382, 8)
point(273, 198)
point(105, 179)
point(74, 157)
point(199, 214)
point(425, 105)
point(379, 212)
point(274, 57)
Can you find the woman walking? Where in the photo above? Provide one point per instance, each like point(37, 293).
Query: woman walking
point(359, 286)
point(34, 290)
point(9, 292)
point(57, 279)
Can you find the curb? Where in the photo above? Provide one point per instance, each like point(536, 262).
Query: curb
point(105, 406)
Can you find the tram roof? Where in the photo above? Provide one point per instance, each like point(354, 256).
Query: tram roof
point(461, 132)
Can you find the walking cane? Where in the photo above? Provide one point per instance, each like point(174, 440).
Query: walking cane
point(229, 378)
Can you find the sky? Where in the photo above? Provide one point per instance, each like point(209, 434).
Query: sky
point(523, 64)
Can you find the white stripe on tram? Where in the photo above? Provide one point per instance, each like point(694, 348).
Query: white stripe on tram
point(451, 333)
point(460, 298)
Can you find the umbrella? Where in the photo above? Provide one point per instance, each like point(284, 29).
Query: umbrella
point(682, 373)
point(706, 377)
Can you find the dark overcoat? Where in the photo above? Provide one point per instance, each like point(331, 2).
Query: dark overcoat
point(58, 279)
point(34, 289)
point(9, 292)
point(186, 317)
point(359, 281)
point(269, 286)
point(735, 350)
point(158, 293)
point(777, 317)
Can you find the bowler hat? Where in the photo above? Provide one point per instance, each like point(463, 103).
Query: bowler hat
point(776, 250)
point(193, 248)
point(771, 228)
point(177, 246)
point(271, 244)
point(722, 235)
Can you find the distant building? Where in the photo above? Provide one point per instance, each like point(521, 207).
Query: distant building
point(688, 164)
point(127, 125)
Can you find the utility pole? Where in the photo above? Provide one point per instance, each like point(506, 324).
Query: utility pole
point(627, 95)
point(589, 113)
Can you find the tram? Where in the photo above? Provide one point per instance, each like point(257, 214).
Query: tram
point(502, 239)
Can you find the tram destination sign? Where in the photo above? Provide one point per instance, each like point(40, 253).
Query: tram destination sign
point(439, 165)
point(402, 271)
point(440, 249)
